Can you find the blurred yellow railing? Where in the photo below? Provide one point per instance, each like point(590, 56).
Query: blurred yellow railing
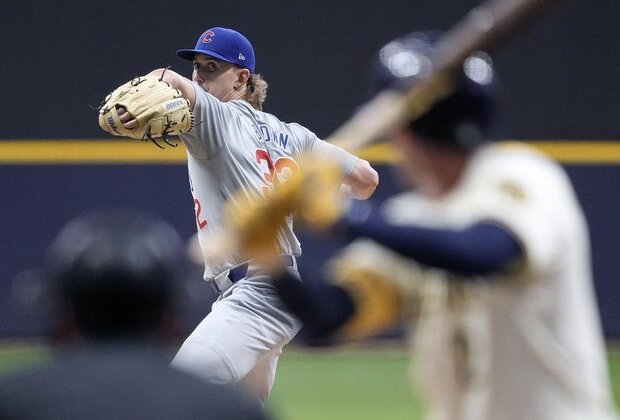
point(126, 151)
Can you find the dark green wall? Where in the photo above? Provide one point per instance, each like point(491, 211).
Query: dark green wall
point(58, 58)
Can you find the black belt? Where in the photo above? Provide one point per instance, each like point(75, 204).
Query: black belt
point(238, 272)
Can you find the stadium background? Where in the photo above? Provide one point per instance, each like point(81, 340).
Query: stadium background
point(558, 77)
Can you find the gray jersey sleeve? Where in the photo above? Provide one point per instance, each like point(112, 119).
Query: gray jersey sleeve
point(319, 149)
point(209, 133)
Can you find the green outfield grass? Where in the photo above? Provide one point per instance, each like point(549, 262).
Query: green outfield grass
point(343, 384)
point(364, 383)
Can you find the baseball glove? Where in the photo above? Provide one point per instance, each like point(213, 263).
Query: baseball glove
point(157, 107)
point(370, 275)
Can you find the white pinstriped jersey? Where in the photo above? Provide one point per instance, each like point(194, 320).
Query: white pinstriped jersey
point(527, 345)
point(233, 147)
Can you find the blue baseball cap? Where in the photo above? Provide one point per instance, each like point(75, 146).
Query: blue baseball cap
point(224, 44)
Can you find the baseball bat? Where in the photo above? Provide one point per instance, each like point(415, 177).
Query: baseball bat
point(483, 28)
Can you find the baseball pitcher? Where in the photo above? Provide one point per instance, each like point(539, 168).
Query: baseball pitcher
point(235, 152)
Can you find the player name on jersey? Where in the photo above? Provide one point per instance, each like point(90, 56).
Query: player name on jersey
point(280, 139)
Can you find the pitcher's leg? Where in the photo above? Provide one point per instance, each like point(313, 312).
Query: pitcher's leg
point(245, 330)
point(261, 378)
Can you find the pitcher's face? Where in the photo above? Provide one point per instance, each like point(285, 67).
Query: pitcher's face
point(217, 77)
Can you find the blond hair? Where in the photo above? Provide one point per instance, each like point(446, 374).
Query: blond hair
point(256, 91)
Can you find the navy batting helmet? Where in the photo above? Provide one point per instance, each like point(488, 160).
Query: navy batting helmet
point(461, 119)
point(113, 270)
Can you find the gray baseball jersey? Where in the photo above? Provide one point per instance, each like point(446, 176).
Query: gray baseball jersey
point(233, 147)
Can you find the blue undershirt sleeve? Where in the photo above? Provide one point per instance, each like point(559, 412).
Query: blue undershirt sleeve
point(482, 248)
point(322, 308)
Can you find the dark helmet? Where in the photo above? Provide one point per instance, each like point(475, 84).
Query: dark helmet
point(113, 270)
point(461, 119)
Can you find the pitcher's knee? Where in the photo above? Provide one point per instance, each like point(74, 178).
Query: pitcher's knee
point(206, 363)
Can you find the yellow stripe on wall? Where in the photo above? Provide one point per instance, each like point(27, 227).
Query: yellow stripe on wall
point(126, 151)
point(88, 152)
point(582, 152)
point(585, 153)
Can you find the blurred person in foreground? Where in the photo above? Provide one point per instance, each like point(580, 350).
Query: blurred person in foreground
point(488, 252)
point(111, 276)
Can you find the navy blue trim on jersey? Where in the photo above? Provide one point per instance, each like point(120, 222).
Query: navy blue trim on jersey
point(481, 249)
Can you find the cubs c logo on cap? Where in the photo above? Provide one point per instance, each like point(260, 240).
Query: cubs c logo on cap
point(223, 44)
point(206, 37)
